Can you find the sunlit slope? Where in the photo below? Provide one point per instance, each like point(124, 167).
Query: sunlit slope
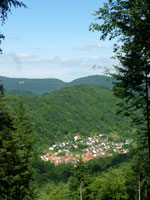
point(76, 110)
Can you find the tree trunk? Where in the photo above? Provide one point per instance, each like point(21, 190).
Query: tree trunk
point(147, 113)
point(139, 190)
point(81, 191)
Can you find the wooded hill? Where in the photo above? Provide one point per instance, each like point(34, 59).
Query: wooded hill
point(79, 110)
point(41, 86)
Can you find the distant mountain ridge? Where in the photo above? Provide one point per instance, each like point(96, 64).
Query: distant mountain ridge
point(41, 86)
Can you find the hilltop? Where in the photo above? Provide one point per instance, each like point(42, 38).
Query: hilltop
point(41, 86)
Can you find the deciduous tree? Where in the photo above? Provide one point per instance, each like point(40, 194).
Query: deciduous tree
point(141, 176)
point(110, 185)
point(79, 182)
point(129, 22)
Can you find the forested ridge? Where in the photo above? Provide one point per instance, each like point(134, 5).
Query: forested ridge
point(79, 110)
point(81, 107)
point(28, 125)
point(41, 86)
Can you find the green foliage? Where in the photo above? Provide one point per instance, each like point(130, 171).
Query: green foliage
point(117, 183)
point(15, 154)
point(47, 172)
point(23, 93)
point(41, 86)
point(59, 192)
point(78, 183)
point(102, 164)
point(7, 148)
point(36, 86)
point(129, 22)
point(25, 138)
point(98, 80)
point(102, 178)
point(109, 186)
point(76, 110)
point(141, 175)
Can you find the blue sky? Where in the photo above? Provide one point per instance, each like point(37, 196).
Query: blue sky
point(51, 39)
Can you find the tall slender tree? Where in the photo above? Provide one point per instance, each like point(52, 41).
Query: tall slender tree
point(79, 182)
point(141, 176)
point(24, 138)
point(16, 153)
point(15, 138)
point(6, 148)
point(129, 22)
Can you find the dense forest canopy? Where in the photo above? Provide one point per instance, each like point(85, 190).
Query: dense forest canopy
point(79, 110)
point(83, 110)
point(41, 86)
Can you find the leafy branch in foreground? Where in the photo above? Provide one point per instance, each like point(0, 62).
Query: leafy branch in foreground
point(5, 8)
point(128, 21)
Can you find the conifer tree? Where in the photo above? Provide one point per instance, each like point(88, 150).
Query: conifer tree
point(7, 149)
point(16, 153)
point(24, 138)
point(15, 140)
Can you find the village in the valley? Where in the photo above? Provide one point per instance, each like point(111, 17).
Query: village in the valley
point(86, 148)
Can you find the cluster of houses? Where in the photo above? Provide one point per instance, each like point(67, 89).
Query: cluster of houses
point(87, 149)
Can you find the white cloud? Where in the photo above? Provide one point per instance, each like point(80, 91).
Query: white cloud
point(95, 58)
point(64, 68)
point(22, 55)
point(85, 47)
point(26, 58)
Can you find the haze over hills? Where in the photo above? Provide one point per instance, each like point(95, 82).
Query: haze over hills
point(41, 86)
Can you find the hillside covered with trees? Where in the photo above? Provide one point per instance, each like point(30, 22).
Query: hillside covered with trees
point(17, 86)
point(28, 125)
point(80, 110)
